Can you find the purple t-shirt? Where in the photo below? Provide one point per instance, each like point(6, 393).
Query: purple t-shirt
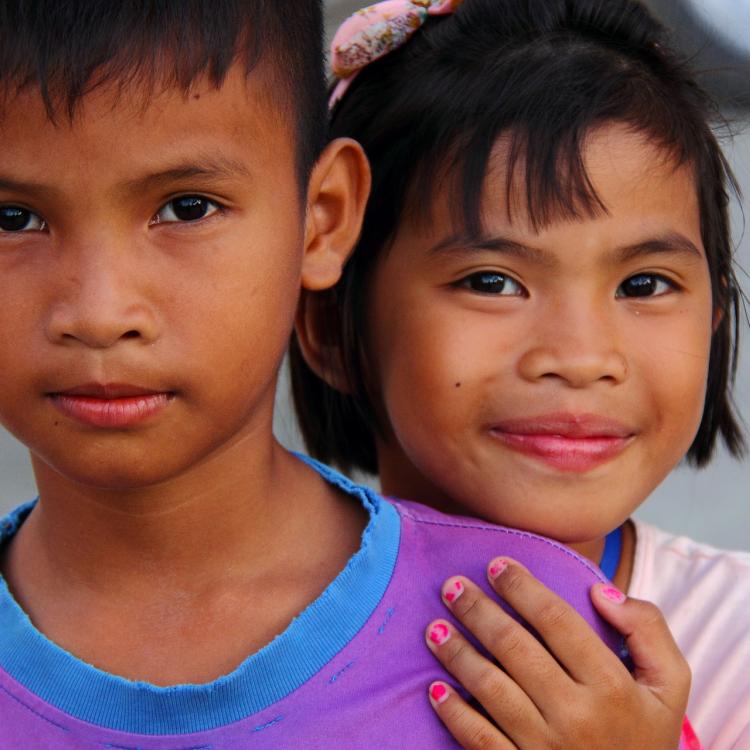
point(350, 672)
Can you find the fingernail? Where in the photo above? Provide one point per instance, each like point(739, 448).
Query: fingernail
point(613, 594)
point(497, 567)
point(438, 693)
point(439, 633)
point(453, 589)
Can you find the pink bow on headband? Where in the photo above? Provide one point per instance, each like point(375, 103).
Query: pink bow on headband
point(375, 31)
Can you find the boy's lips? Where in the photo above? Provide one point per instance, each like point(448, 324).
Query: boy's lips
point(567, 442)
point(111, 405)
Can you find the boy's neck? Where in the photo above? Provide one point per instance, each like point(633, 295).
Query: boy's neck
point(245, 553)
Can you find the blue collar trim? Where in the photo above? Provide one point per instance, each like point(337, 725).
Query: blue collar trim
point(310, 641)
point(612, 551)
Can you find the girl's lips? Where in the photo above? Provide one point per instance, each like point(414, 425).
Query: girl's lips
point(569, 443)
point(110, 406)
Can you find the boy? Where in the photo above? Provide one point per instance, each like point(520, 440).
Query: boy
point(164, 192)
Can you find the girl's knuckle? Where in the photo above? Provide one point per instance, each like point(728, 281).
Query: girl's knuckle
point(455, 654)
point(493, 690)
point(468, 608)
point(506, 641)
point(482, 738)
point(511, 581)
point(553, 614)
point(612, 685)
point(652, 616)
point(453, 713)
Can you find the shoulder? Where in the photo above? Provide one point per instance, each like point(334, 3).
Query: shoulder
point(420, 521)
point(10, 524)
point(704, 593)
point(667, 567)
point(436, 546)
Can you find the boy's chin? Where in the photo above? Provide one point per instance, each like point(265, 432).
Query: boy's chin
point(113, 472)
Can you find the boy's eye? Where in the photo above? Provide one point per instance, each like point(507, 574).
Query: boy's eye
point(645, 285)
point(492, 282)
point(17, 219)
point(186, 208)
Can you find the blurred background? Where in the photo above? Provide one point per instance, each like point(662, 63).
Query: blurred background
point(712, 505)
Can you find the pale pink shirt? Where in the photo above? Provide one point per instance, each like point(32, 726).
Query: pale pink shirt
point(704, 594)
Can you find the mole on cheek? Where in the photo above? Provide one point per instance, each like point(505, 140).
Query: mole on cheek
point(458, 385)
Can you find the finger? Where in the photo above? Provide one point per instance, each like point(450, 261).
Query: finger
point(566, 633)
point(471, 729)
point(521, 655)
point(503, 700)
point(659, 664)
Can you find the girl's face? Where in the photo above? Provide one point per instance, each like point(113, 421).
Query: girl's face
point(549, 379)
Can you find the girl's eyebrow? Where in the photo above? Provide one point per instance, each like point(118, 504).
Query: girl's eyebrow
point(462, 244)
point(671, 242)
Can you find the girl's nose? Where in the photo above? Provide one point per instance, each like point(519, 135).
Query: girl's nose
point(100, 303)
point(576, 350)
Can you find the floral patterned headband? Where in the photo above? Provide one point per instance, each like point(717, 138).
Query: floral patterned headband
point(375, 31)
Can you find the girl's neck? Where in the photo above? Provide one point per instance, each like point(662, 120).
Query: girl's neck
point(594, 550)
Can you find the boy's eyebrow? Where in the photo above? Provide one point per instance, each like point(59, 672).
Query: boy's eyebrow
point(214, 167)
point(30, 188)
point(208, 168)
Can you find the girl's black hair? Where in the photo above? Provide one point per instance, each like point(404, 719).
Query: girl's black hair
point(543, 73)
point(66, 48)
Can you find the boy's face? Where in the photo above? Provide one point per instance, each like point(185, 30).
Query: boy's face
point(150, 261)
point(552, 381)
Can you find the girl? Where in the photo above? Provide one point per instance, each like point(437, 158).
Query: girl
point(540, 319)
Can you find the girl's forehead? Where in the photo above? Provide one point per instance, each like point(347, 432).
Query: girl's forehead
point(636, 192)
point(586, 181)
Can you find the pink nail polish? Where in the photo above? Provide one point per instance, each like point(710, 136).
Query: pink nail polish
point(453, 591)
point(438, 693)
point(613, 594)
point(439, 633)
point(497, 567)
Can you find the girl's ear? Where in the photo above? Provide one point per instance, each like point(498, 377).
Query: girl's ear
point(718, 318)
point(314, 327)
point(337, 195)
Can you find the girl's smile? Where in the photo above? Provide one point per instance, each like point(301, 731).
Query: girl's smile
point(547, 378)
point(566, 442)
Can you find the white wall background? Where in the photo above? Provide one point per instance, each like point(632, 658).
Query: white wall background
point(712, 505)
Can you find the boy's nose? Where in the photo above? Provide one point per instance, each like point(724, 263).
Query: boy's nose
point(98, 305)
point(577, 350)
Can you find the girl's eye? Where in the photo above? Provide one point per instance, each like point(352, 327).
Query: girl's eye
point(492, 282)
point(17, 219)
point(185, 209)
point(645, 285)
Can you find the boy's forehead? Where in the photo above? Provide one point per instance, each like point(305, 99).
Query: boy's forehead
point(239, 123)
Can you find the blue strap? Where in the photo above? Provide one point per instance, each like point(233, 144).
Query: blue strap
point(611, 555)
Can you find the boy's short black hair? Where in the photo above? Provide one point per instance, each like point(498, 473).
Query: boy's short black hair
point(66, 48)
point(544, 73)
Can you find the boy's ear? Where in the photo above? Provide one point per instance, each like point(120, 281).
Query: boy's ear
point(336, 199)
point(317, 342)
